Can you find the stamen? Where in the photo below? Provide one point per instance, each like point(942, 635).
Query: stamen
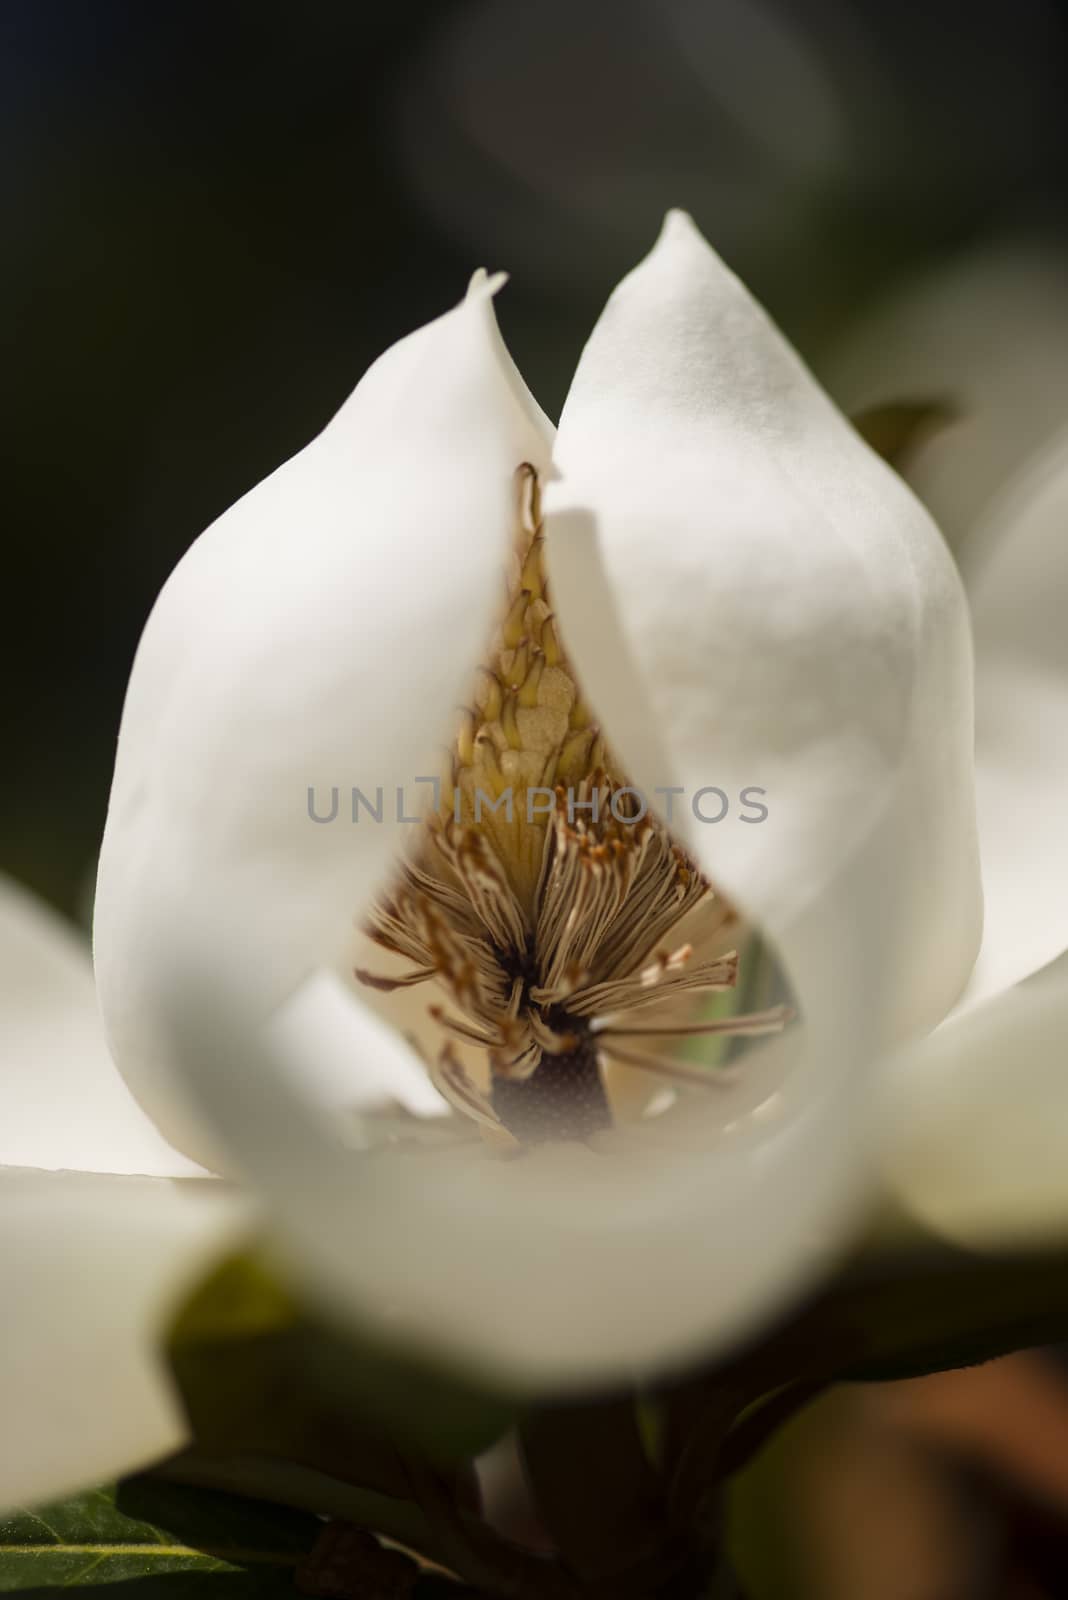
point(749, 1024)
point(553, 1043)
point(465, 737)
point(463, 1030)
point(666, 961)
point(515, 622)
point(404, 980)
point(508, 721)
point(453, 1082)
point(528, 693)
point(549, 641)
point(666, 1068)
point(491, 703)
point(549, 930)
point(532, 578)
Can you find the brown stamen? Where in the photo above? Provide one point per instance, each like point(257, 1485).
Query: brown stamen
point(549, 927)
point(747, 1024)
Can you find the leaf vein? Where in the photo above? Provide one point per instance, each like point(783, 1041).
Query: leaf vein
point(80, 1576)
point(35, 1516)
point(235, 1553)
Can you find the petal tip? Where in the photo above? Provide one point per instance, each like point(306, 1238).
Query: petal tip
point(678, 227)
point(484, 285)
point(682, 247)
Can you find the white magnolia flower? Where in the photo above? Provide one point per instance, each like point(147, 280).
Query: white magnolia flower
point(102, 1228)
point(750, 599)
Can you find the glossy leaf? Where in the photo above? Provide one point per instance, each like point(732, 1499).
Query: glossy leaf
point(156, 1539)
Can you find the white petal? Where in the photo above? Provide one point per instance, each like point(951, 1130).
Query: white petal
point(316, 637)
point(1018, 591)
point(752, 598)
point(976, 1119)
point(92, 1267)
point(568, 1266)
point(344, 1065)
point(62, 1100)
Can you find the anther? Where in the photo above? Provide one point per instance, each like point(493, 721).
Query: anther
point(516, 673)
point(532, 579)
point(491, 703)
point(515, 623)
point(550, 643)
point(580, 716)
point(528, 690)
point(465, 737)
point(574, 755)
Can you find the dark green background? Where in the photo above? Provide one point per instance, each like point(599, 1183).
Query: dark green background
point(215, 217)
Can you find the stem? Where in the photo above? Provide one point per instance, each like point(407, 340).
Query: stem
point(287, 1484)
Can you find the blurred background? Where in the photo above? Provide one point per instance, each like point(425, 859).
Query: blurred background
point(216, 217)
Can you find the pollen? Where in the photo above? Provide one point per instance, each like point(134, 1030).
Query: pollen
point(543, 902)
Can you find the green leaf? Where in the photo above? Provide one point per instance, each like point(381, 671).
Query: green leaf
point(258, 1373)
point(905, 1312)
point(156, 1539)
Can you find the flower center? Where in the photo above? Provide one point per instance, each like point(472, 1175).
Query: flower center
point(544, 901)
